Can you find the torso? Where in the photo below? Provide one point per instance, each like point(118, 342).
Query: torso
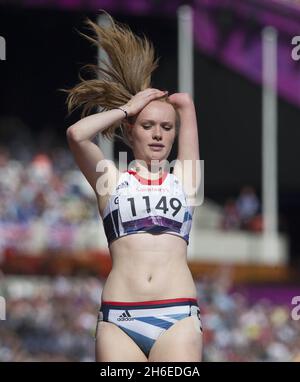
point(147, 266)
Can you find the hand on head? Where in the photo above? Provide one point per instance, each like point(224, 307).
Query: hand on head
point(141, 99)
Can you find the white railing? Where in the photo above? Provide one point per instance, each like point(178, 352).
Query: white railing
point(206, 244)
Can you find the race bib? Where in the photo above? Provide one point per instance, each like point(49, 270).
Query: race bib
point(140, 206)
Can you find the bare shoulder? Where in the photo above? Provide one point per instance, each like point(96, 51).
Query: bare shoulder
point(189, 175)
point(107, 184)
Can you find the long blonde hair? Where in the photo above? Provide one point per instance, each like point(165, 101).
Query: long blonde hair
point(131, 62)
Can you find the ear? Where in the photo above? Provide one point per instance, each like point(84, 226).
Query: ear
point(128, 126)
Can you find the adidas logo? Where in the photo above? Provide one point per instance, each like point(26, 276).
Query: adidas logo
point(122, 185)
point(125, 316)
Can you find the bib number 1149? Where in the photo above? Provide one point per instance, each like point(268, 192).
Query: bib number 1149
point(139, 207)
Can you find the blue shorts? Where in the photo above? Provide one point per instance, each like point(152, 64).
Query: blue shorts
point(145, 321)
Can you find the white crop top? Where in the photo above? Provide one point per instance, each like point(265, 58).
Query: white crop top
point(143, 205)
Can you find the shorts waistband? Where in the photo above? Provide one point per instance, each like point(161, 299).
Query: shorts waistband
point(152, 303)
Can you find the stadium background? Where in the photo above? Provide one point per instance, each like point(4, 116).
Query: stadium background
point(52, 286)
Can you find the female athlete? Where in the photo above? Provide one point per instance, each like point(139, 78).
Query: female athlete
point(149, 309)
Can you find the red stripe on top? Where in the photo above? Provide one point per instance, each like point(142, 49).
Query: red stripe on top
point(154, 302)
point(150, 182)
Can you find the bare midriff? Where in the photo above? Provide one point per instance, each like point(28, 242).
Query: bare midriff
point(149, 267)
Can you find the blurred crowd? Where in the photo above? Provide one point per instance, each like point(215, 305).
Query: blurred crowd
point(45, 186)
point(243, 212)
point(236, 330)
point(55, 320)
point(49, 319)
point(43, 191)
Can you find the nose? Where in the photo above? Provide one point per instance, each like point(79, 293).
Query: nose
point(157, 133)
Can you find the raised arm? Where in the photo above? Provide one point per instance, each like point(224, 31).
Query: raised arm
point(86, 153)
point(188, 141)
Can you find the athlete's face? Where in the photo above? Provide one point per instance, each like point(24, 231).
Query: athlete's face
point(153, 132)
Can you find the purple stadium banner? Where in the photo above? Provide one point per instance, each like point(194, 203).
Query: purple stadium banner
point(230, 31)
point(280, 295)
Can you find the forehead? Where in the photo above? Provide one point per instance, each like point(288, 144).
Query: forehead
point(157, 110)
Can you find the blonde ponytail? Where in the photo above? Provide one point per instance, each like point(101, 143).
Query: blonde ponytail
point(131, 62)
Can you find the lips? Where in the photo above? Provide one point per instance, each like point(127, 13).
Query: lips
point(156, 145)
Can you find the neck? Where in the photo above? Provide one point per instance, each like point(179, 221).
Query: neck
point(148, 170)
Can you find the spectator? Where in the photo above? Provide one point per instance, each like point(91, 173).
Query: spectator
point(231, 217)
point(247, 206)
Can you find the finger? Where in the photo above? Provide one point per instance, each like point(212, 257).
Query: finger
point(148, 90)
point(157, 93)
point(152, 90)
point(144, 93)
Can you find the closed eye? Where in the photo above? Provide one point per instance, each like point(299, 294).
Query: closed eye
point(165, 127)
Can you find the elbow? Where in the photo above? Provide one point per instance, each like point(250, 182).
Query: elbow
point(71, 134)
